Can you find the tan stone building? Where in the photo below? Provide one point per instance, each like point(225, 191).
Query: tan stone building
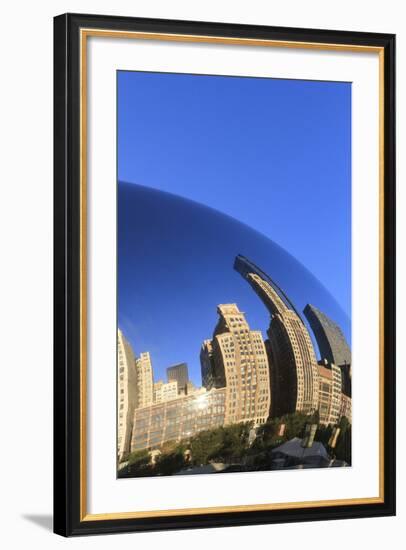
point(330, 393)
point(145, 380)
point(346, 407)
point(126, 394)
point(292, 360)
point(178, 418)
point(165, 391)
point(236, 359)
point(333, 402)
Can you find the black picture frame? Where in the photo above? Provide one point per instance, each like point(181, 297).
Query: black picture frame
point(68, 520)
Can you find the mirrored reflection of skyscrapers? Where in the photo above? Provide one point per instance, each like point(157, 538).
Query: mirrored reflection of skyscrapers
point(332, 344)
point(236, 358)
point(245, 378)
point(293, 364)
point(126, 394)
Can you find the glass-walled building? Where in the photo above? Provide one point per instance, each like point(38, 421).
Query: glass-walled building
point(177, 419)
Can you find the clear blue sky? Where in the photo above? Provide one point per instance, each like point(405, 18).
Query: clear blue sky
point(272, 154)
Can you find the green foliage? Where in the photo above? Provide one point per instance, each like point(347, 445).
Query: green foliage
point(138, 457)
point(221, 444)
point(203, 445)
point(323, 434)
point(231, 444)
point(314, 418)
point(168, 464)
point(268, 434)
point(138, 465)
point(173, 446)
point(344, 424)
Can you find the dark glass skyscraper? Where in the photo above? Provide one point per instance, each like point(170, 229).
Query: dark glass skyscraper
point(179, 373)
point(329, 337)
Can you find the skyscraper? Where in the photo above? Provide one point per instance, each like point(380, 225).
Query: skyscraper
point(145, 380)
point(178, 373)
point(330, 339)
point(236, 358)
point(126, 394)
point(292, 360)
point(332, 344)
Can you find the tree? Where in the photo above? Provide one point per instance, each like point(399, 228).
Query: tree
point(221, 443)
point(315, 418)
point(203, 444)
point(172, 446)
point(139, 457)
point(324, 433)
point(138, 465)
point(343, 448)
point(234, 442)
point(171, 463)
point(295, 424)
point(344, 424)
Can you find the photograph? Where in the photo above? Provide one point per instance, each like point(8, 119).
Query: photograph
point(200, 234)
point(233, 274)
point(224, 252)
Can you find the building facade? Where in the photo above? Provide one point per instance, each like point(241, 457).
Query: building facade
point(292, 360)
point(329, 337)
point(210, 377)
point(236, 359)
point(177, 419)
point(178, 373)
point(145, 380)
point(126, 394)
point(330, 393)
point(165, 391)
point(346, 407)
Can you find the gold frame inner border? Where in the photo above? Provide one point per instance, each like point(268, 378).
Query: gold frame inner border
point(172, 37)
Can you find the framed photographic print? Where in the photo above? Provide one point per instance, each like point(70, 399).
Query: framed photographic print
point(224, 274)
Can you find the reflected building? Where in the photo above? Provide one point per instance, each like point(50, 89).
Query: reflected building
point(330, 393)
point(210, 377)
point(165, 391)
point(236, 359)
point(329, 336)
point(178, 419)
point(245, 378)
point(331, 342)
point(346, 407)
point(126, 394)
point(180, 374)
point(145, 380)
point(188, 389)
point(293, 366)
